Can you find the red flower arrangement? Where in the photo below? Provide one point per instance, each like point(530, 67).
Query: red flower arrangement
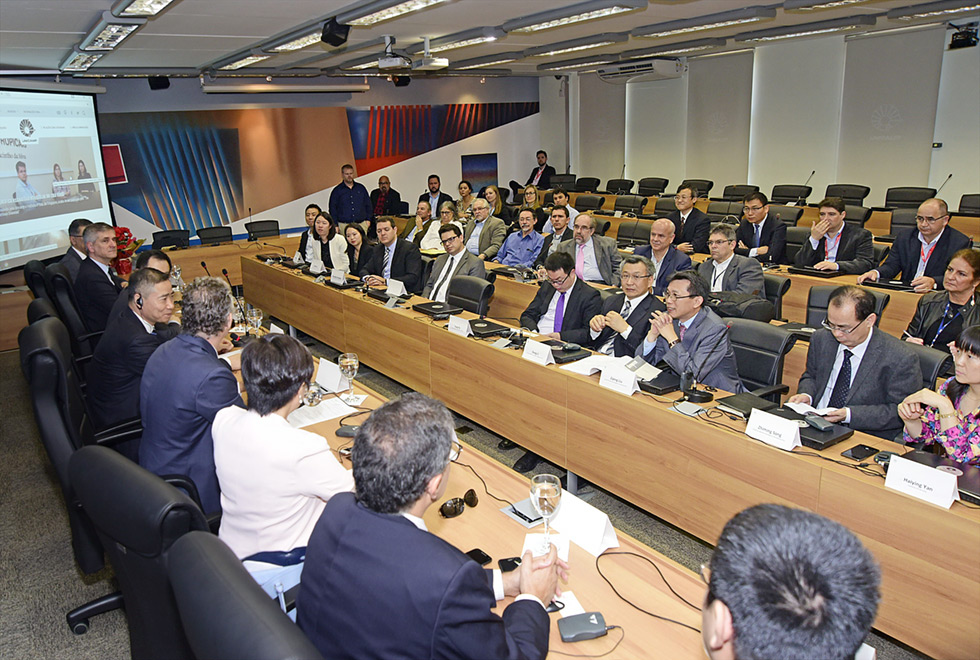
point(126, 246)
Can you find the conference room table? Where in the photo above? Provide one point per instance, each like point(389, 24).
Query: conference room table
point(692, 472)
point(228, 256)
point(487, 528)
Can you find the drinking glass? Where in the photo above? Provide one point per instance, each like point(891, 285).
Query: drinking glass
point(238, 311)
point(546, 498)
point(348, 364)
point(255, 318)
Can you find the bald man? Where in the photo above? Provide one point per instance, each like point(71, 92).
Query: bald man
point(666, 258)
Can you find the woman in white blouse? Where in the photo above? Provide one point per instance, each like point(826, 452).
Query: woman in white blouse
point(325, 244)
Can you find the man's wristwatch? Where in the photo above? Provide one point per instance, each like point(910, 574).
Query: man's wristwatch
point(671, 344)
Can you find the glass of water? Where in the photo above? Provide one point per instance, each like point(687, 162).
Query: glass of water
point(254, 316)
point(348, 364)
point(546, 498)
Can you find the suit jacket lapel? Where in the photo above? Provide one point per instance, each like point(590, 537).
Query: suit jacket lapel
point(871, 357)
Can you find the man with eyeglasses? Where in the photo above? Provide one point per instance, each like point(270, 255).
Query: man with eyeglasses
point(378, 584)
point(834, 244)
point(921, 255)
point(664, 257)
point(484, 234)
point(625, 317)
point(727, 271)
point(760, 235)
point(596, 257)
point(855, 369)
point(75, 254)
point(561, 309)
point(691, 225)
point(457, 261)
point(691, 337)
point(521, 247)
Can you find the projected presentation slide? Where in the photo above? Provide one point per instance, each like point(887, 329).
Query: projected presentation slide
point(51, 172)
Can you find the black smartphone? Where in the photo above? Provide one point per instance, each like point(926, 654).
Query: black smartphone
point(479, 556)
point(859, 452)
point(509, 564)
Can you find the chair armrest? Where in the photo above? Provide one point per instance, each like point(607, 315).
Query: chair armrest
point(131, 429)
point(764, 392)
point(214, 522)
point(886, 209)
point(91, 335)
point(184, 483)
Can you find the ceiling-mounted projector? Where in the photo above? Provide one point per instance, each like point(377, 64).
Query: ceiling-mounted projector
point(393, 62)
point(430, 64)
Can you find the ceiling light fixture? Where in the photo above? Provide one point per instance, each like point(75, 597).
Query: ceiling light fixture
point(578, 63)
point(575, 45)
point(110, 31)
point(384, 11)
point(808, 29)
point(934, 10)
point(812, 5)
point(266, 88)
point(487, 60)
point(585, 11)
point(460, 40)
point(79, 60)
point(247, 60)
point(296, 43)
point(674, 49)
point(709, 22)
point(145, 8)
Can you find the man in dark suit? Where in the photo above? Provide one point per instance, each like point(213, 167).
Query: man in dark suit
point(922, 256)
point(377, 584)
point(760, 235)
point(156, 259)
point(836, 245)
point(856, 369)
point(415, 229)
point(561, 233)
point(541, 175)
point(97, 286)
point(385, 200)
point(129, 340)
point(691, 225)
point(75, 254)
point(625, 317)
point(393, 258)
point(457, 261)
point(727, 271)
point(665, 258)
point(691, 337)
point(184, 386)
point(566, 315)
point(434, 197)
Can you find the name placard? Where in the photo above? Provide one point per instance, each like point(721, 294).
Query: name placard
point(316, 267)
point(585, 525)
point(337, 276)
point(537, 352)
point(328, 376)
point(922, 482)
point(459, 326)
point(395, 288)
point(643, 369)
point(619, 379)
point(773, 430)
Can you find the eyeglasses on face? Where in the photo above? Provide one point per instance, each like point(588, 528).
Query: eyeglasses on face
point(559, 282)
point(447, 241)
point(670, 295)
point(629, 277)
point(456, 506)
point(928, 218)
point(719, 242)
point(752, 209)
point(839, 328)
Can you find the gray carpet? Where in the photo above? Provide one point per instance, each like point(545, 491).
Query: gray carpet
point(40, 582)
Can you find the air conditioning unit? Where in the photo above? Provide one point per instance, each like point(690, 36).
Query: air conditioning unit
point(643, 70)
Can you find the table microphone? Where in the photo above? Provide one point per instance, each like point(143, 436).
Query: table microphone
point(224, 271)
point(273, 245)
point(944, 184)
point(699, 396)
point(805, 184)
point(205, 267)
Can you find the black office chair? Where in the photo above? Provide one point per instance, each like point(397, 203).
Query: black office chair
point(589, 203)
point(619, 186)
point(849, 192)
point(224, 612)
point(725, 211)
point(633, 232)
point(785, 193)
point(601, 226)
point(818, 300)
point(664, 206)
point(908, 197)
point(180, 238)
point(138, 516)
point(933, 362)
point(630, 204)
point(587, 184)
point(901, 219)
point(40, 308)
point(401, 208)
point(565, 181)
point(549, 199)
point(736, 193)
point(795, 238)
point(214, 235)
point(83, 342)
point(703, 186)
point(427, 262)
point(970, 204)
point(881, 251)
point(776, 288)
point(760, 353)
point(471, 293)
point(789, 214)
point(652, 186)
point(856, 216)
point(262, 229)
point(34, 276)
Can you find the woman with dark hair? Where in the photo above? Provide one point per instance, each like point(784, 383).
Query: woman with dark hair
point(58, 187)
point(951, 416)
point(83, 173)
point(358, 251)
point(466, 198)
point(325, 244)
point(275, 479)
point(941, 315)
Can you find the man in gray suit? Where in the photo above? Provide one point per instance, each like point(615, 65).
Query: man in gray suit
point(856, 369)
point(727, 271)
point(691, 337)
point(457, 261)
point(484, 234)
point(76, 251)
point(596, 257)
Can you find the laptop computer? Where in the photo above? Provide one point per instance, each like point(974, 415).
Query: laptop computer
point(811, 437)
point(665, 383)
point(270, 256)
point(891, 285)
point(564, 357)
point(436, 308)
point(743, 404)
point(967, 476)
point(482, 328)
point(381, 296)
point(813, 272)
point(523, 274)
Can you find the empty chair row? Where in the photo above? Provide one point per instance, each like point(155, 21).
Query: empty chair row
point(213, 235)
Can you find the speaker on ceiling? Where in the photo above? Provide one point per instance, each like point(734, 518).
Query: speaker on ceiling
point(334, 34)
point(158, 82)
point(401, 81)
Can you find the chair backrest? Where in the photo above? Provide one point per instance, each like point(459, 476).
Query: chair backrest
point(34, 276)
point(214, 235)
point(630, 203)
point(970, 204)
point(776, 288)
point(40, 308)
point(262, 228)
point(59, 412)
point(789, 214)
point(171, 238)
point(589, 202)
point(933, 362)
point(566, 181)
point(470, 293)
point(59, 283)
point(795, 237)
point(619, 186)
point(736, 193)
point(703, 186)
point(634, 232)
point(786, 193)
point(138, 516)
point(856, 216)
point(760, 351)
point(725, 211)
point(881, 251)
point(549, 199)
point(587, 184)
point(664, 205)
point(224, 612)
point(908, 197)
point(903, 219)
point(401, 208)
point(652, 186)
point(818, 300)
point(849, 192)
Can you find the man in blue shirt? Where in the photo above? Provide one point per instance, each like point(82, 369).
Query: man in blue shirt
point(25, 193)
point(521, 247)
point(349, 201)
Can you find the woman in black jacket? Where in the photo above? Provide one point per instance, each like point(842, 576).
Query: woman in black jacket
point(940, 316)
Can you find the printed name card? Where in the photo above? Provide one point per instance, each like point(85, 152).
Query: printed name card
point(773, 430)
point(395, 288)
point(275, 329)
point(921, 481)
point(537, 352)
point(328, 376)
point(584, 525)
point(337, 276)
point(460, 326)
point(643, 369)
point(316, 267)
point(620, 379)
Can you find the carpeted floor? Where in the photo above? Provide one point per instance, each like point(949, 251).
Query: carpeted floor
point(39, 581)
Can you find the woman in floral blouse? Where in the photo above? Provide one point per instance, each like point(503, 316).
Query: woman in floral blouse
point(951, 416)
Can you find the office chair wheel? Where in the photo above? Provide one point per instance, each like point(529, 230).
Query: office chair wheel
point(79, 627)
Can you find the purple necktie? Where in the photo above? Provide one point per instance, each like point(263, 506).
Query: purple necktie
point(560, 312)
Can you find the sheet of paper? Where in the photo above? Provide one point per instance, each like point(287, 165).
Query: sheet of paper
point(327, 409)
point(804, 408)
point(572, 606)
point(275, 329)
point(535, 543)
point(590, 365)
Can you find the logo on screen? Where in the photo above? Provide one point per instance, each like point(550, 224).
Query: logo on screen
point(886, 117)
point(26, 127)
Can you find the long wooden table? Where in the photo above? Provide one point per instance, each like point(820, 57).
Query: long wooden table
point(684, 470)
point(485, 527)
point(227, 255)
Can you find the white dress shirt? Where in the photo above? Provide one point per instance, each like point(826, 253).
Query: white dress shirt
point(445, 276)
point(590, 269)
point(718, 275)
point(926, 251)
point(857, 354)
point(830, 246)
point(546, 324)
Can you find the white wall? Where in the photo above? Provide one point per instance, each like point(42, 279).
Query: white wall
point(656, 126)
point(554, 130)
point(601, 128)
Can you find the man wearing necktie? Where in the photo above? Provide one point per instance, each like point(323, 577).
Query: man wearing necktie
point(834, 244)
point(625, 318)
point(564, 305)
point(393, 257)
point(96, 286)
point(457, 261)
point(595, 258)
point(855, 369)
point(760, 234)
